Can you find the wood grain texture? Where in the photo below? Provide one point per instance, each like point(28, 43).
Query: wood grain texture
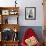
point(44, 7)
point(11, 26)
point(9, 43)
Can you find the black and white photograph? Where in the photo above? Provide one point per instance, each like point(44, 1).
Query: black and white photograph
point(30, 13)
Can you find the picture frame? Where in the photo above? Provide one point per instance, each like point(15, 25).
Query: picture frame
point(10, 19)
point(30, 13)
point(5, 12)
point(13, 12)
point(13, 20)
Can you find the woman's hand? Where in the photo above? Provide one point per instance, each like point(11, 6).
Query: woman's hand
point(32, 41)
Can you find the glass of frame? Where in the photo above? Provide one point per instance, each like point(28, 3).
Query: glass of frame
point(30, 13)
point(5, 12)
point(13, 20)
point(10, 19)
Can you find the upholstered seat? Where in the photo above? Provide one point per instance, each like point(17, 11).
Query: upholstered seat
point(28, 38)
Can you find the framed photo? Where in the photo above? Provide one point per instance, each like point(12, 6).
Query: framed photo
point(30, 13)
point(5, 12)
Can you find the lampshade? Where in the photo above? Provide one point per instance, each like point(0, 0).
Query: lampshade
point(15, 30)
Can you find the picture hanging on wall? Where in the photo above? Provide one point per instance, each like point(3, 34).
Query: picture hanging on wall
point(30, 13)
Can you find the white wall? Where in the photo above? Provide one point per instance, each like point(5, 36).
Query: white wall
point(39, 12)
point(27, 3)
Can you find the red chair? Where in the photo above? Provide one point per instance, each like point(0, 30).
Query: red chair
point(29, 33)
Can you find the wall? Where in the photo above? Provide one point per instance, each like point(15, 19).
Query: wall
point(39, 12)
point(27, 3)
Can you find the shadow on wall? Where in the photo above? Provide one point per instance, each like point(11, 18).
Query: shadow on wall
point(37, 29)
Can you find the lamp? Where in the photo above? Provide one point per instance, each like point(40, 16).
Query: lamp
point(15, 37)
point(15, 3)
point(15, 30)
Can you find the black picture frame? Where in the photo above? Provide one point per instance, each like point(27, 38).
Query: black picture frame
point(30, 13)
